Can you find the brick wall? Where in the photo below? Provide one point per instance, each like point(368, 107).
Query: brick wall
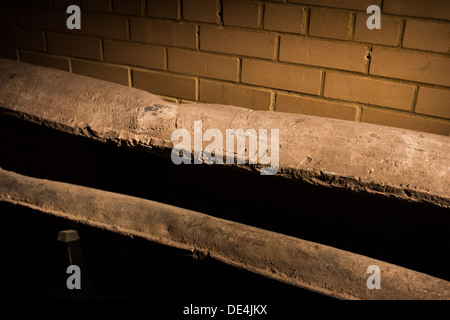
point(313, 57)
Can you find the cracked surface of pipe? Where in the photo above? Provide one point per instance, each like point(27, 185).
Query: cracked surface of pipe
point(403, 164)
point(323, 269)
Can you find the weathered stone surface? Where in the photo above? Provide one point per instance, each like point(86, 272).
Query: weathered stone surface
point(399, 163)
point(309, 265)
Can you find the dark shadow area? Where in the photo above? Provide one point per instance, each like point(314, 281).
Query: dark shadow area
point(34, 266)
point(408, 234)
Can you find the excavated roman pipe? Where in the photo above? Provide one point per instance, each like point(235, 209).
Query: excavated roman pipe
point(363, 158)
point(309, 265)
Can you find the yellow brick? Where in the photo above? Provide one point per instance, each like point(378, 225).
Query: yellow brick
point(134, 54)
point(165, 84)
point(345, 4)
point(129, 7)
point(239, 42)
point(162, 9)
point(434, 102)
point(101, 71)
point(415, 66)
point(424, 35)
point(328, 23)
point(281, 76)
point(45, 60)
point(21, 38)
point(386, 35)
point(438, 9)
point(163, 32)
point(103, 25)
point(235, 95)
point(322, 53)
point(366, 90)
point(203, 64)
point(404, 121)
point(314, 107)
point(283, 18)
point(240, 13)
point(200, 10)
point(75, 46)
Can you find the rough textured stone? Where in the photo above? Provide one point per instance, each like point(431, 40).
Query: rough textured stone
point(361, 157)
point(309, 265)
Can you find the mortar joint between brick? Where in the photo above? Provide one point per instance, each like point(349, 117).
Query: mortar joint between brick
point(179, 10)
point(401, 33)
point(239, 70)
point(128, 29)
point(166, 59)
point(130, 80)
point(306, 19)
point(197, 89)
point(102, 50)
point(414, 99)
point(44, 38)
point(368, 59)
point(14, 16)
point(143, 8)
point(358, 113)
point(261, 9)
point(219, 12)
point(70, 64)
point(277, 48)
point(351, 26)
point(323, 74)
point(382, 6)
point(197, 37)
point(273, 101)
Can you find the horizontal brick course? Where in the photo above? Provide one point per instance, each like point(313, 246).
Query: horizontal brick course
point(64, 3)
point(437, 9)
point(240, 13)
point(281, 76)
point(322, 53)
point(329, 23)
point(45, 60)
point(75, 46)
point(430, 36)
point(366, 90)
point(386, 35)
point(314, 107)
point(203, 64)
point(162, 9)
point(45, 3)
point(6, 16)
point(434, 102)
point(224, 93)
point(163, 32)
point(200, 10)
point(8, 53)
point(21, 38)
point(345, 4)
point(101, 71)
point(52, 19)
point(404, 121)
point(240, 42)
point(165, 84)
point(409, 65)
point(134, 54)
point(96, 5)
point(103, 25)
point(283, 18)
point(129, 7)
